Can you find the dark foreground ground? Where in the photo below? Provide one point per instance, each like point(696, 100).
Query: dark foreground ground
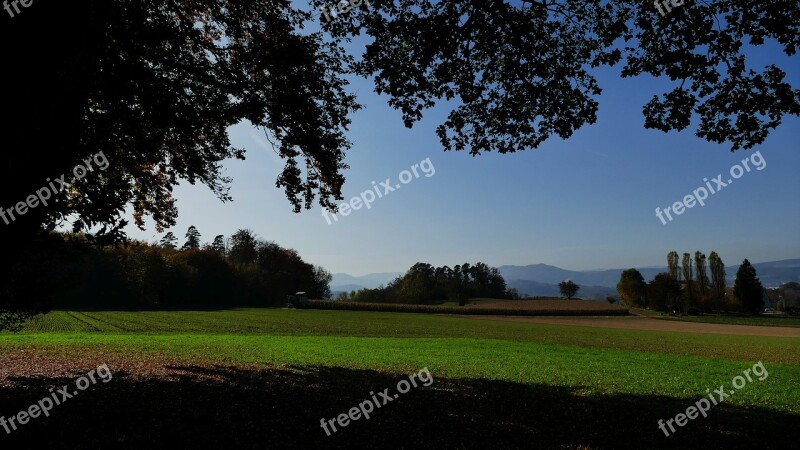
point(255, 408)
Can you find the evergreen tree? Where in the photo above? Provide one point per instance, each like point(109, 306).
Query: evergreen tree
point(168, 241)
point(748, 289)
point(219, 244)
point(192, 238)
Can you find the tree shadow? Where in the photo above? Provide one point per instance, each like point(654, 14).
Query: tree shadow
point(224, 407)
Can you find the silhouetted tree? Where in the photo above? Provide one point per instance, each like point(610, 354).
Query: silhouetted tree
point(192, 239)
point(168, 241)
point(663, 291)
point(748, 289)
point(568, 289)
point(718, 282)
point(537, 59)
point(688, 278)
point(219, 244)
point(702, 276)
point(157, 84)
point(243, 247)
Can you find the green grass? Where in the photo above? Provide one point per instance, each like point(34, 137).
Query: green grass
point(565, 367)
point(282, 322)
point(596, 371)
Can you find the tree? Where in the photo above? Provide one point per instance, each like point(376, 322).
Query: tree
point(523, 70)
point(702, 276)
point(568, 289)
point(631, 288)
point(662, 291)
point(148, 89)
point(321, 287)
point(166, 80)
point(516, 74)
point(718, 283)
point(168, 241)
point(747, 288)
point(243, 247)
point(192, 239)
point(688, 277)
point(219, 244)
point(672, 265)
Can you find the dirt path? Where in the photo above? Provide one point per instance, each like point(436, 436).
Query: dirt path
point(644, 323)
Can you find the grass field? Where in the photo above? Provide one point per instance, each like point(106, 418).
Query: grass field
point(775, 320)
point(263, 378)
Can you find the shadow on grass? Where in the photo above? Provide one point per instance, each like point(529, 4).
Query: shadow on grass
point(220, 407)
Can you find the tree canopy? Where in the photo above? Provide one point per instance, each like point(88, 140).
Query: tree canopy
point(631, 288)
point(568, 288)
point(155, 84)
point(748, 289)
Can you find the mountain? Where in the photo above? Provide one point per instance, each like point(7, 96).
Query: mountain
point(534, 288)
point(346, 282)
point(542, 279)
point(771, 274)
point(553, 275)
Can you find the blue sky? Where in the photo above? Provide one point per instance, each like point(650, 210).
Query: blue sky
point(586, 203)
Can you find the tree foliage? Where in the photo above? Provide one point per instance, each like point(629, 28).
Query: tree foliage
point(192, 239)
point(702, 275)
point(156, 84)
point(718, 282)
point(568, 289)
point(663, 291)
point(168, 241)
point(631, 288)
point(525, 71)
point(748, 289)
point(673, 262)
point(218, 245)
point(688, 278)
point(426, 284)
point(142, 275)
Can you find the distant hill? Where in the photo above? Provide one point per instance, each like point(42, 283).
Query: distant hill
point(535, 288)
point(553, 275)
point(345, 282)
point(771, 274)
point(543, 279)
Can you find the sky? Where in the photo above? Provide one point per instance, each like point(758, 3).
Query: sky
point(581, 204)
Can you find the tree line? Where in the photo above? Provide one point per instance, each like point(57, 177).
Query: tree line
point(426, 284)
point(693, 284)
point(242, 270)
